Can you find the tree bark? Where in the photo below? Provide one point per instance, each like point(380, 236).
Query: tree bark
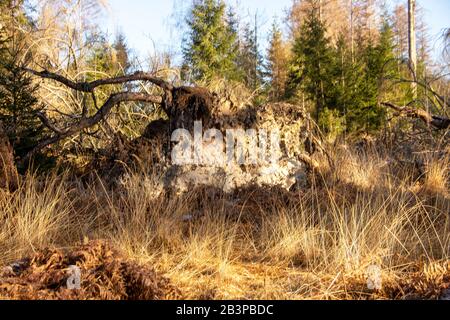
point(352, 37)
point(412, 43)
point(183, 105)
point(87, 122)
point(438, 122)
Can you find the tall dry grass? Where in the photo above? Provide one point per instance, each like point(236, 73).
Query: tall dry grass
point(256, 243)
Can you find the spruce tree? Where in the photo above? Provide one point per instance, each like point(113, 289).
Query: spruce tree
point(312, 63)
point(234, 25)
point(358, 81)
point(18, 103)
point(121, 54)
point(378, 59)
point(100, 61)
point(250, 59)
point(209, 48)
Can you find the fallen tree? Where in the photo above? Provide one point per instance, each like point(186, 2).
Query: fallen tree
point(183, 105)
point(438, 122)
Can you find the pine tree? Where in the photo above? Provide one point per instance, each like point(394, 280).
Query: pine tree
point(358, 81)
point(380, 68)
point(346, 75)
point(312, 63)
point(121, 54)
point(344, 88)
point(209, 49)
point(100, 62)
point(234, 24)
point(277, 63)
point(18, 104)
point(250, 59)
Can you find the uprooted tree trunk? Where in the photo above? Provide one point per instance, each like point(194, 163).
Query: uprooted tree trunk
point(438, 122)
point(8, 173)
point(183, 105)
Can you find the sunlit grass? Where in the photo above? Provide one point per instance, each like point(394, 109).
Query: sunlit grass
point(317, 245)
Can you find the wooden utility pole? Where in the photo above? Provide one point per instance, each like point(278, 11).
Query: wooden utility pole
point(412, 43)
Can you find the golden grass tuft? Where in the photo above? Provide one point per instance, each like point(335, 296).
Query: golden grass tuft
point(256, 243)
point(436, 180)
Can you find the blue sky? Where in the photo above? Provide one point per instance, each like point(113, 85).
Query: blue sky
point(149, 23)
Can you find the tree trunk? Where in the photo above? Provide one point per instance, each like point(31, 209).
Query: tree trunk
point(9, 178)
point(412, 43)
point(352, 39)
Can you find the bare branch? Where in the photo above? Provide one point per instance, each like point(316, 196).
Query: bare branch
point(441, 99)
point(46, 122)
point(90, 86)
point(436, 121)
point(87, 122)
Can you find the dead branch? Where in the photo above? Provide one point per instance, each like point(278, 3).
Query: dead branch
point(440, 123)
point(182, 105)
point(309, 162)
point(46, 122)
point(90, 86)
point(87, 122)
point(443, 101)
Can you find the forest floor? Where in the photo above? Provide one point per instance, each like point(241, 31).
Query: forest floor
point(366, 229)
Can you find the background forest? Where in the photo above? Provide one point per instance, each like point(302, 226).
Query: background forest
point(83, 146)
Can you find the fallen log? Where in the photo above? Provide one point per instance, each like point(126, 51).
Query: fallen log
point(183, 105)
point(438, 122)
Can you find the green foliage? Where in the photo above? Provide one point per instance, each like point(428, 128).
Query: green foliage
point(374, 66)
point(210, 47)
point(18, 103)
point(332, 123)
point(105, 59)
point(312, 65)
point(100, 60)
point(250, 61)
point(112, 60)
point(342, 86)
point(121, 54)
point(233, 22)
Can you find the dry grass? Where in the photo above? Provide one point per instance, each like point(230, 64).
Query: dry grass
point(437, 177)
point(262, 243)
